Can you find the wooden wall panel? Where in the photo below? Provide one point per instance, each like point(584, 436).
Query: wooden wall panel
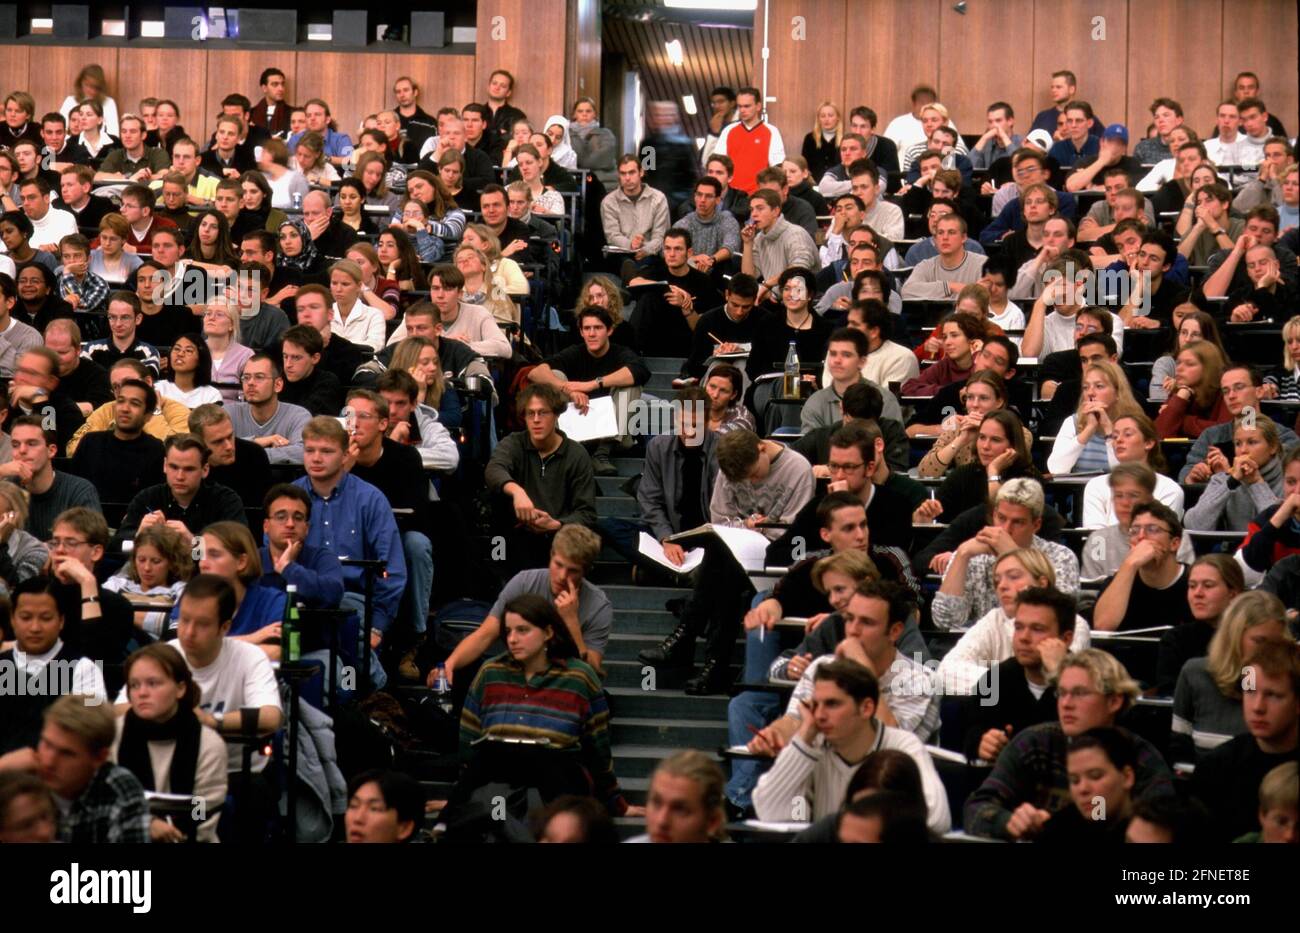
point(349, 82)
point(582, 54)
point(13, 73)
point(1260, 36)
point(233, 71)
point(967, 91)
point(806, 64)
point(177, 74)
point(881, 73)
point(445, 80)
point(532, 49)
point(52, 69)
point(1188, 67)
point(1063, 40)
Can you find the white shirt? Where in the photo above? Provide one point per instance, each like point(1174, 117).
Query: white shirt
point(365, 325)
point(909, 685)
point(986, 644)
point(199, 395)
point(1222, 153)
point(890, 362)
point(1099, 510)
point(54, 226)
point(110, 113)
point(1011, 318)
point(87, 678)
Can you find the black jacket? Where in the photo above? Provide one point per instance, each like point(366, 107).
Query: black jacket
point(660, 485)
point(321, 393)
point(213, 503)
point(816, 445)
point(1012, 705)
point(249, 476)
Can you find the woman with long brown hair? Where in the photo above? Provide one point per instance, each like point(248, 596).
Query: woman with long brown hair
point(1195, 400)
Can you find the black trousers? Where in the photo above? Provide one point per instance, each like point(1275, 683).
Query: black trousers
point(717, 605)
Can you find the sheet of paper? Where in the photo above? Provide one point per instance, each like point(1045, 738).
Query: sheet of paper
point(749, 547)
point(652, 549)
point(600, 421)
point(772, 826)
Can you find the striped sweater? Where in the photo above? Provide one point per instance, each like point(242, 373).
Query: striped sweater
point(564, 704)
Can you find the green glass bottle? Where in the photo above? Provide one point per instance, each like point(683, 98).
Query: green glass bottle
point(290, 631)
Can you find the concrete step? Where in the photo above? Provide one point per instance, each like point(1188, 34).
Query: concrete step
point(667, 704)
point(664, 364)
point(651, 623)
point(611, 485)
point(627, 648)
point(675, 733)
point(640, 761)
point(617, 506)
point(661, 382)
point(629, 466)
point(643, 597)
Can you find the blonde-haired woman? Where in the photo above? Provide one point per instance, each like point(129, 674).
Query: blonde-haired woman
point(1207, 698)
point(26, 555)
point(419, 357)
point(1196, 399)
point(1082, 442)
point(1252, 483)
point(821, 146)
point(1285, 386)
point(600, 291)
point(221, 334)
point(483, 286)
point(989, 641)
point(481, 237)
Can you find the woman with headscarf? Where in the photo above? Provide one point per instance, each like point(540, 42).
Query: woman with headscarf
point(556, 129)
point(297, 251)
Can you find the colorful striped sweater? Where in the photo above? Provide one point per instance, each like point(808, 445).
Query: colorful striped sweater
point(564, 704)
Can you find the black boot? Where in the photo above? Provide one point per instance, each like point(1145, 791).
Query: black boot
point(714, 677)
point(677, 650)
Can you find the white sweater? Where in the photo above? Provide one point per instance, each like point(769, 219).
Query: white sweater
point(1066, 450)
point(819, 776)
point(1099, 510)
point(988, 643)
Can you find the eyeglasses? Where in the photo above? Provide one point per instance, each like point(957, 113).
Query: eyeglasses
point(1077, 693)
point(845, 467)
point(538, 415)
point(1149, 531)
point(64, 544)
point(283, 516)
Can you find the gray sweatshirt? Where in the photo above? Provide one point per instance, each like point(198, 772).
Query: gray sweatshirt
point(288, 421)
point(1227, 505)
point(787, 488)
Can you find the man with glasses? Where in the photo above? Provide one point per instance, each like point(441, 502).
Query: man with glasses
point(200, 186)
point(34, 390)
point(124, 316)
point(1029, 780)
point(50, 491)
point(97, 623)
point(1029, 167)
point(167, 419)
point(1150, 586)
point(287, 558)
point(262, 418)
point(1213, 451)
point(125, 460)
point(540, 480)
point(187, 502)
point(1078, 142)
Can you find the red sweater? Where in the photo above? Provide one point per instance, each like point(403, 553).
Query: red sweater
point(751, 151)
point(1181, 418)
point(933, 378)
point(937, 334)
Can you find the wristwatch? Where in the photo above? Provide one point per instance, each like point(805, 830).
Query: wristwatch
point(995, 478)
point(220, 719)
point(89, 600)
point(600, 382)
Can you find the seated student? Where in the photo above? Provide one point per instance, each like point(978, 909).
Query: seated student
point(286, 557)
point(419, 425)
point(82, 289)
point(158, 567)
point(547, 478)
point(1227, 779)
point(1150, 586)
point(684, 803)
point(1271, 535)
point(162, 742)
point(191, 374)
point(1015, 516)
point(1195, 402)
point(1227, 270)
point(49, 492)
point(1268, 295)
point(1066, 282)
point(1061, 372)
point(667, 314)
point(1101, 767)
point(1083, 443)
point(261, 323)
point(1108, 503)
point(21, 555)
point(846, 351)
point(187, 501)
point(98, 801)
point(886, 362)
point(1284, 384)
point(383, 807)
point(125, 460)
point(539, 689)
point(27, 809)
point(97, 622)
point(167, 418)
point(1189, 325)
point(1278, 807)
point(986, 393)
point(307, 384)
point(46, 665)
point(584, 608)
point(1029, 781)
point(998, 639)
point(1241, 387)
point(232, 462)
point(340, 356)
point(889, 774)
point(724, 400)
point(1254, 482)
point(1211, 229)
point(1152, 292)
point(1207, 686)
point(227, 550)
point(839, 729)
point(794, 321)
point(937, 277)
point(733, 324)
point(997, 354)
point(79, 379)
point(1133, 441)
point(262, 418)
point(124, 316)
point(874, 619)
point(962, 336)
point(1001, 453)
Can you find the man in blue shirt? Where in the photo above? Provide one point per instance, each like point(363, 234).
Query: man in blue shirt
point(1029, 167)
point(354, 520)
point(1078, 142)
point(338, 146)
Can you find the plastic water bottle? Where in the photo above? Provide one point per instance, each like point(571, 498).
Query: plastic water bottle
point(443, 689)
point(790, 385)
point(290, 630)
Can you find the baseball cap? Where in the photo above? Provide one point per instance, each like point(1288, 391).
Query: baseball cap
point(1116, 131)
point(1040, 138)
